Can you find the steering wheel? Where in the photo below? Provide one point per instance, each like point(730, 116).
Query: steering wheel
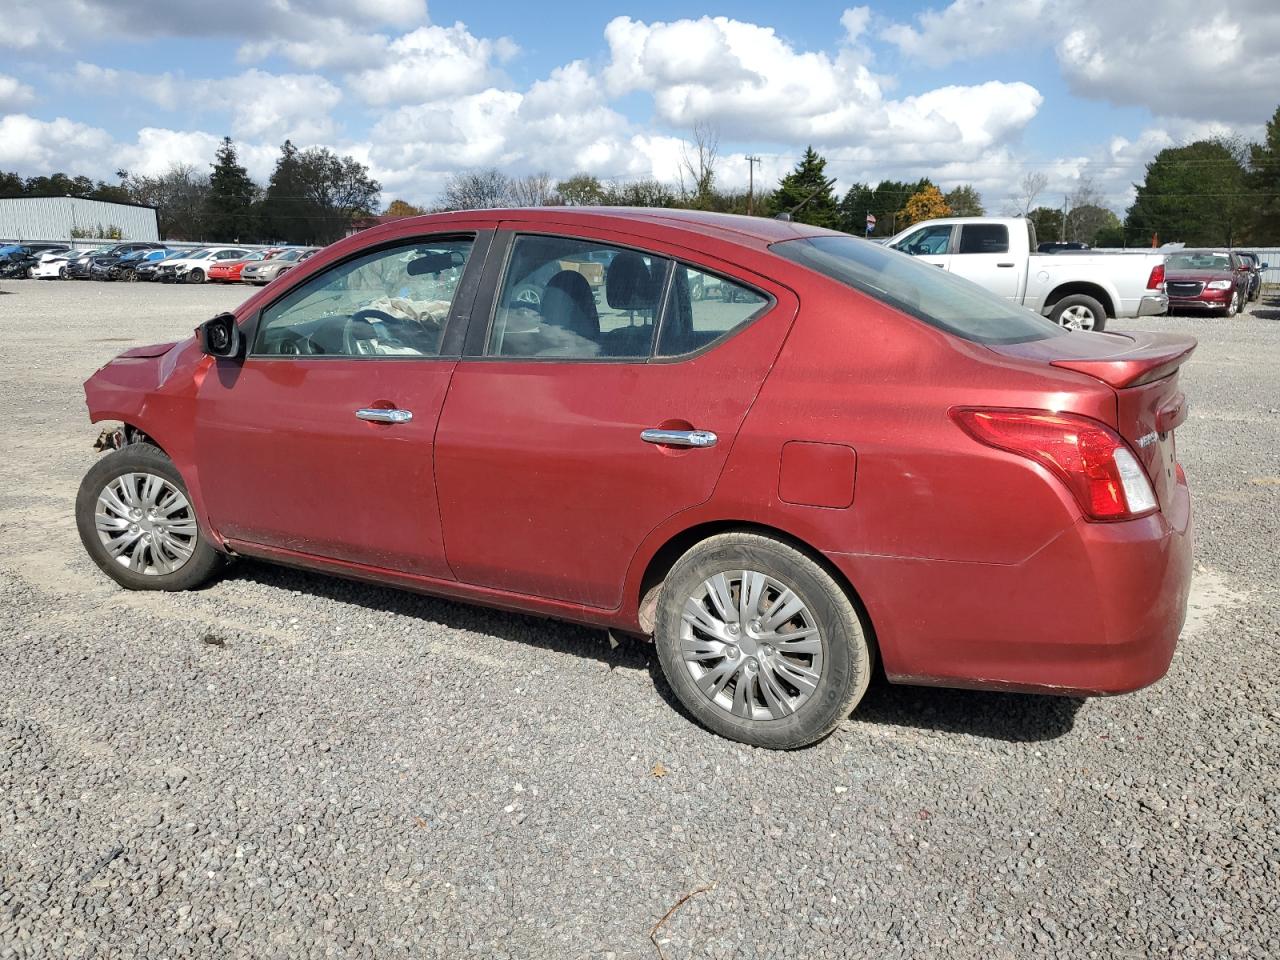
point(294, 344)
point(404, 332)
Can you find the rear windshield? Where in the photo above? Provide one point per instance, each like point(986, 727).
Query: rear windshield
point(924, 291)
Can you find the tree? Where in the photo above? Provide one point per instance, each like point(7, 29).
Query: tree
point(178, 195)
point(580, 190)
point(805, 192)
point(698, 167)
point(400, 208)
point(11, 184)
point(1196, 194)
point(531, 190)
point(476, 190)
point(229, 203)
point(641, 193)
point(338, 190)
point(1264, 183)
point(284, 213)
point(1086, 221)
point(965, 201)
point(927, 204)
point(1048, 224)
point(1023, 200)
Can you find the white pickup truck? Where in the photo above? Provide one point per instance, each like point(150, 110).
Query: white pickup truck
point(1078, 290)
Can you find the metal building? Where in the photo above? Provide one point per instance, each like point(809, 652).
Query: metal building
point(66, 218)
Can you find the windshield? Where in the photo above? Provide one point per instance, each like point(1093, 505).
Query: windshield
point(1198, 261)
point(927, 293)
point(194, 255)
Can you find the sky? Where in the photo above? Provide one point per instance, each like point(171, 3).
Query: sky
point(967, 91)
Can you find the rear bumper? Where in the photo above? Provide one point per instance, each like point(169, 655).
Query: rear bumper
point(1153, 305)
point(1097, 611)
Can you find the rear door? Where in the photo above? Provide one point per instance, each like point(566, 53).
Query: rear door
point(982, 255)
point(548, 475)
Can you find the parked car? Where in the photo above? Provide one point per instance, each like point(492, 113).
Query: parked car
point(1256, 267)
point(53, 266)
point(127, 267)
point(150, 270)
point(195, 266)
point(19, 260)
point(859, 457)
point(1216, 281)
point(1081, 291)
point(1063, 246)
point(228, 271)
point(102, 258)
point(267, 270)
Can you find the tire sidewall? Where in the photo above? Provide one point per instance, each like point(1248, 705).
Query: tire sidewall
point(1081, 300)
point(139, 458)
point(847, 660)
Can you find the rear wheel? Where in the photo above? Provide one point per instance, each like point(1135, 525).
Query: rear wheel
point(760, 643)
point(136, 521)
point(1079, 312)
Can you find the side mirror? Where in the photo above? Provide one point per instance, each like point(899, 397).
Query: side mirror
point(220, 337)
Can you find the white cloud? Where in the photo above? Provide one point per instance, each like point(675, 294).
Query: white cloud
point(28, 144)
point(14, 93)
point(1179, 58)
point(432, 63)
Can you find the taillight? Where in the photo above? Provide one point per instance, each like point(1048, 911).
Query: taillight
point(1156, 280)
point(1089, 457)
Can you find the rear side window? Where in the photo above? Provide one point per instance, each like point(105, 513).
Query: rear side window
point(578, 300)
point(920, 289)
point(704, 308)
point(984, 238)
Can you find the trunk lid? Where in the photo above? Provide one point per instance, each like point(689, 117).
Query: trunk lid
point(1142, 369)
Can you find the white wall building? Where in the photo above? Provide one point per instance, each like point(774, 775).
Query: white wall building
point(62, 218)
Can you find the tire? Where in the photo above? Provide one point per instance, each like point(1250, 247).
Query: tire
point(124, 465)
point(194, 275)
point(841, 657)
point(1073, 311)
point(1233, 307)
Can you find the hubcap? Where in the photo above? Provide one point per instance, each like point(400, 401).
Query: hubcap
point(751, 645)
point(1077, 318)
point(146, 523)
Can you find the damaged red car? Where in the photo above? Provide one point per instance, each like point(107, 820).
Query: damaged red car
point(781, 452)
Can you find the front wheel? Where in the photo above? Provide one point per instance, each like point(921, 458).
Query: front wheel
point(759, 642)
point(1079, 312)
point(195, 275)
point(1234, 306)
point(136, 521)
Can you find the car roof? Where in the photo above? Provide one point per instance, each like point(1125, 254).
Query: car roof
point(734, 228)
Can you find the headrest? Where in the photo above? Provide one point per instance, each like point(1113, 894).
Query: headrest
point(628, 284)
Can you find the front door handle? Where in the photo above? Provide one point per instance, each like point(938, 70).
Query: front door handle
point(679, 438)
point(384, 415)
point(1004, 264)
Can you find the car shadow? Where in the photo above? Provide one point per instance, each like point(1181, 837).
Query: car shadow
point(1010, 717)
point(1267, 308)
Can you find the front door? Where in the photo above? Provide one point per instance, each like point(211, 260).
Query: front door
point(932, 244)
point(321, 441)
point(548, 475)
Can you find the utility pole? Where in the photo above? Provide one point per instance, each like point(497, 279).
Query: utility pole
point(751, 183)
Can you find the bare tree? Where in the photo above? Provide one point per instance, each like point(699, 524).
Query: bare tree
point(1023, 200)
point(1086, 213)
point(533, 190)
point(476, 190)
point(698, 164)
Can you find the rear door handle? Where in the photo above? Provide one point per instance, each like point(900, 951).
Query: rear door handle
point(383, 415)
point(680, 438)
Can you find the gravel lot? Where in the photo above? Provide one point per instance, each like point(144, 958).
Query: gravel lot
point(289, 765)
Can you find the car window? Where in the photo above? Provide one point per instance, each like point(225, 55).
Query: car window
point(576, 299)
point(984, 238)
point(929, 241)
point(934, 296)
point(704, 308)
point(1197, 260)
point(392, 302)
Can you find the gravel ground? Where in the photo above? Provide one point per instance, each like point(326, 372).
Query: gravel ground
point(288, 765)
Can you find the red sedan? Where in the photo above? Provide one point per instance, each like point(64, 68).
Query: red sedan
point(779, 451)
point(1216, 281)
point(226, 271)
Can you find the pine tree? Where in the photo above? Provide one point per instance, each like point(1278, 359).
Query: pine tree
point(229, 203)
point(1264, 181)
point(284, 211)
point(806, 193)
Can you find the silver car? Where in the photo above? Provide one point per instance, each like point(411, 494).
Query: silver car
point(264, 271)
